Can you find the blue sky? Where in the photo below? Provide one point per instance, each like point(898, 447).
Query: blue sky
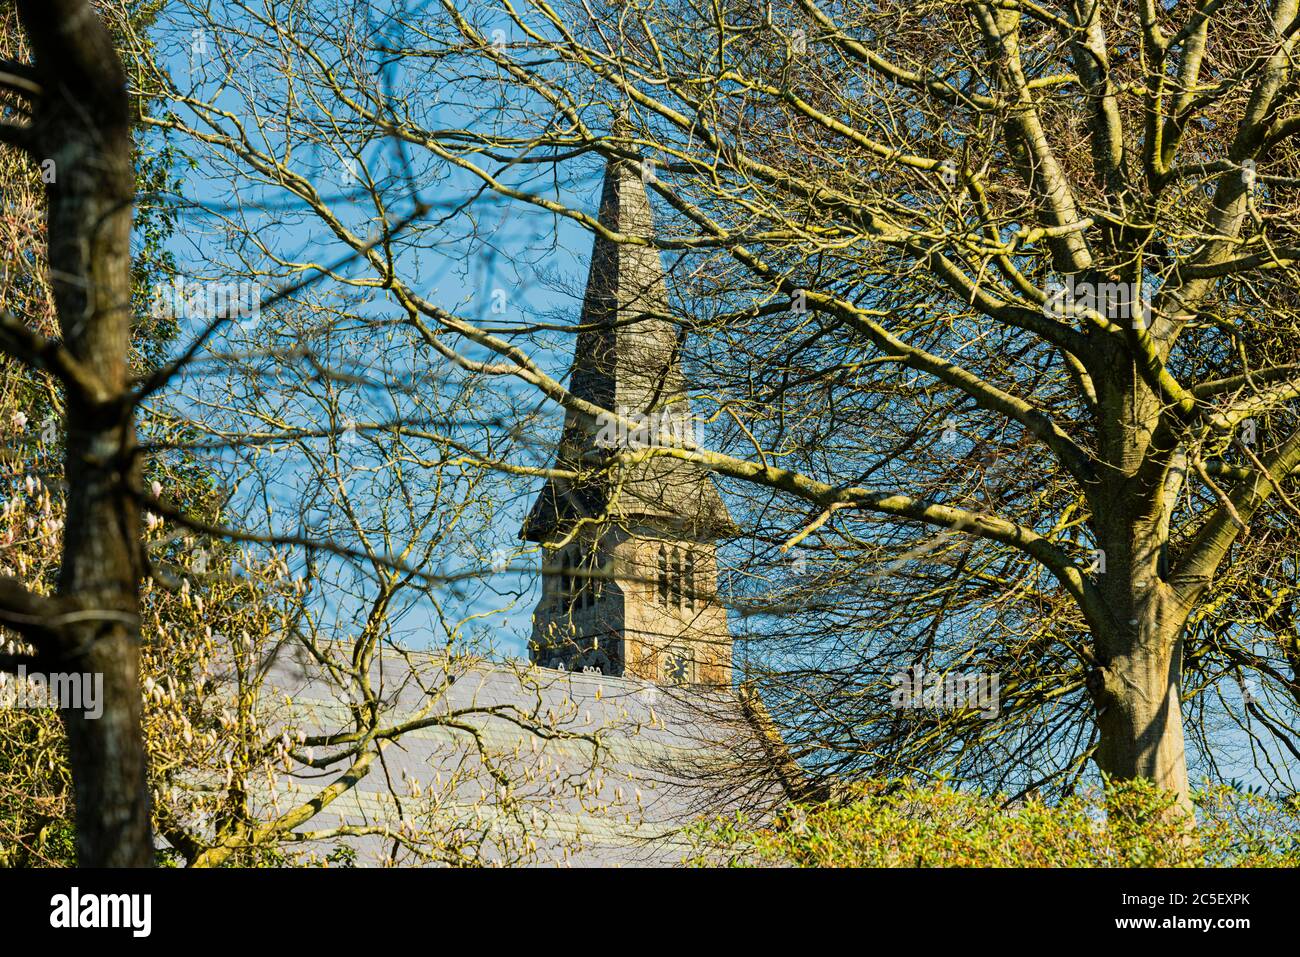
point(465, 275)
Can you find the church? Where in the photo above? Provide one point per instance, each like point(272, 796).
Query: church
point(625, 725)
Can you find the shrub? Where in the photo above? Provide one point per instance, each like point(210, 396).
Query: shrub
point(900, 824)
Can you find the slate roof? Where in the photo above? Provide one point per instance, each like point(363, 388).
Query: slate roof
point(627, 359)
point(606, 771)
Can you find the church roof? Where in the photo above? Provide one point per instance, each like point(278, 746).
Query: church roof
point(605, 771)
point(627, 359)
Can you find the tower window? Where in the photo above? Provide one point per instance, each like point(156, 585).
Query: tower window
point(569, 581)
point(581, 573)
point(677, 583)
point(691, 584)
point(603, 566)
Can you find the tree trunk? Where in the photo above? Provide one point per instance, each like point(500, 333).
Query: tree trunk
point(1138, 695)
point(100, 579)
point(81, 127)
point(108, 760)
point(1138, 635)
point(1140, 719)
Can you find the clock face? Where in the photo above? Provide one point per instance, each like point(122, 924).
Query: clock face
point(677, 667)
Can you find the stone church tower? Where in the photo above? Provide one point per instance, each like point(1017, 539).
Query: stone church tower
point(629, 583)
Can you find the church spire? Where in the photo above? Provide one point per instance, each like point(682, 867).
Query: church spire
point(630, 570)
point(627, 359)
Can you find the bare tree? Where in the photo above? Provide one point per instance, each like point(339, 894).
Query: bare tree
point(1067, 228)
